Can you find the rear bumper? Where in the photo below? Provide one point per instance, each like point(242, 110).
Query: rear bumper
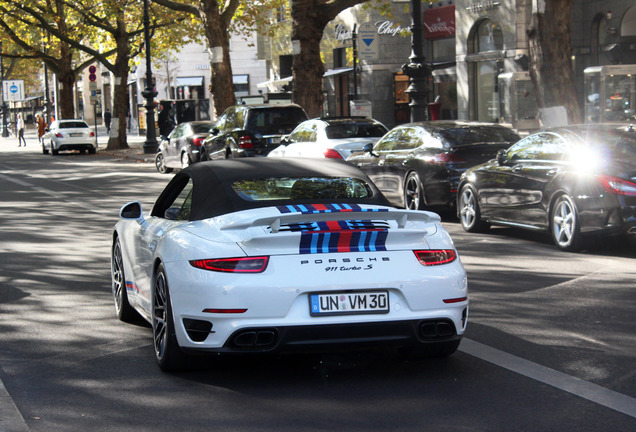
point(339, 337)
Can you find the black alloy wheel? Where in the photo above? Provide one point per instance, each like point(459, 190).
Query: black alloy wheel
point(412, 192)
point(124, 311)
point(169, 356)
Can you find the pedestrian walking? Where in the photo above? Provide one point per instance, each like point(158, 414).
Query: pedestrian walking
point(20, 127)
point(41, 126)
point(107, 118)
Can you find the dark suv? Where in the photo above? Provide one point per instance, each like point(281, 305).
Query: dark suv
point(251, 130)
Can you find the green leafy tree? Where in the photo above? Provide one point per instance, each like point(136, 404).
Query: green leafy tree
point(22, 23)
point(309, 19)
point(219, 19)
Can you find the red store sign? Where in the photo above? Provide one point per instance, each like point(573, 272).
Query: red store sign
point(439, 22)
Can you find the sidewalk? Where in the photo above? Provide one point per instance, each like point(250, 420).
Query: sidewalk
point(134, 152)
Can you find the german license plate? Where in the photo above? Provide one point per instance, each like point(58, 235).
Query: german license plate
point(274, 140)
point(349, 303)
point(77, 134)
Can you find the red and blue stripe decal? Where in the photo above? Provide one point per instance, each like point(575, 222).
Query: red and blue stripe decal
point(337, 236)
point(325, 208)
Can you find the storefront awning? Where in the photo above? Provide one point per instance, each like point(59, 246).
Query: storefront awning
point(189, 81)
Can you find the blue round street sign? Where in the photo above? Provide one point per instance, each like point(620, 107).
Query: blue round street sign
point(14, 88)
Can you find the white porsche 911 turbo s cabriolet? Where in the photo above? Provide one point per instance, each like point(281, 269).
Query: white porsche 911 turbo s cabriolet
point(286, 255)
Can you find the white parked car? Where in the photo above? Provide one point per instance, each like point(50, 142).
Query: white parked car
point(65, 135)
point(335, 138)
point(260, 255)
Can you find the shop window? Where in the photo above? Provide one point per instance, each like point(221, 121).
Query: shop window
point(241, 85)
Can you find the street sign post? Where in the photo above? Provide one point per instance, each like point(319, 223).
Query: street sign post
point(368, 42)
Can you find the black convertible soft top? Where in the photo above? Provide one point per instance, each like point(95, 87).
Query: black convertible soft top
point(212, 181)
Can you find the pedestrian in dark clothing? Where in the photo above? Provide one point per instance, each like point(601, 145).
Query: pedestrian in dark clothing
point(165, 120)
point(107, 118)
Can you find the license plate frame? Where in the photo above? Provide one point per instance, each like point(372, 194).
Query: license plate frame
point(349, 303)
point(76, 134)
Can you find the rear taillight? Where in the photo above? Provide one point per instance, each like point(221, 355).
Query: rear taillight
point(435, 257)
point(245, 141)
point(233, 265)
point(59, 135)
point(92, 134)
point(198, 142)
point(617, 186)
point(444, 158)
point(332, 154)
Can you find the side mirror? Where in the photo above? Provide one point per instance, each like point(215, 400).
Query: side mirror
point(501, 157)
point(132, 210)
point(368, 148)
point(215, 131)
point(284, 140)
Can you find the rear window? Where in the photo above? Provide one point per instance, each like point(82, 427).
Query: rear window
point(302, 188)
point(275, 120)
point(201, 128)
point(355, 130)
point(474, 135)
point(72, 125)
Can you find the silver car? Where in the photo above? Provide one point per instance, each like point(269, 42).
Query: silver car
point(334, 138)
point(71, 134)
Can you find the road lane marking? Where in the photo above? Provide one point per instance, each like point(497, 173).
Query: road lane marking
point(576, 386)
point(60, 196)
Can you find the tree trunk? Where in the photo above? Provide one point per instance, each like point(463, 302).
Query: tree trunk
point(120, 94)
point(66, 80)
point(307, 66)
point(221, 83)
point(550, 49)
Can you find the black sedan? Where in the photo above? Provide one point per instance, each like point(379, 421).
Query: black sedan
point(183, 146)
point(572, 181)
point(418, 165)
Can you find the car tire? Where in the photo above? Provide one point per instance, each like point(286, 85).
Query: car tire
point(53, 151)
point(160, 164)
point(469, 211)
point(92, 150)
point(228, 153)
point(185, 160)
point(412, 192)
point(168, 354)
point(564, 225)
point(124, 310)
point(44, 149)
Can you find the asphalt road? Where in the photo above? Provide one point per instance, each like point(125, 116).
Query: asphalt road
point(550, 346)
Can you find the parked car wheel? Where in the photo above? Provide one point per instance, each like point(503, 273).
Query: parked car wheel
point(160, 164)
point(44, 149)
point(565, 228)
point(469, 212)
point(185, 160)
point(412, 192)
point(167, 352)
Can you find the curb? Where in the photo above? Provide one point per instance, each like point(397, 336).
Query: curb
point(11, 419)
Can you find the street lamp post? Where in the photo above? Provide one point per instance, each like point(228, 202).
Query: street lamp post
point(417, 70)
point(5, 131)
point(150, 146)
